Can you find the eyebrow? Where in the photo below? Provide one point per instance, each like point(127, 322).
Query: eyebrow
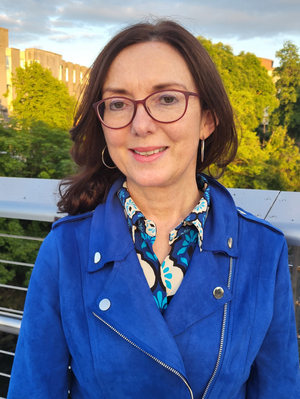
point(161, 86)
point(167, 85)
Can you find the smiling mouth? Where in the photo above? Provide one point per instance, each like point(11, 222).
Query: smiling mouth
point(148, 153)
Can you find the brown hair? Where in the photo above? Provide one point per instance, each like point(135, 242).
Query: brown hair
point(84, 191)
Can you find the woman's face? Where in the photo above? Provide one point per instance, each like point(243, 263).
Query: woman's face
point(136, 72)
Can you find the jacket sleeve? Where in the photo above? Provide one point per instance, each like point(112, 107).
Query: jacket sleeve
point(275, 371)
point(40, 368)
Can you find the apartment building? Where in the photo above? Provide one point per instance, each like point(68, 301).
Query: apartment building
point(11, 58)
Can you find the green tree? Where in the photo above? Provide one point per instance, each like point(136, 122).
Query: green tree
point(273, 167)
point(18, 250)
point(249, 87)
point(35, 151)
point(41, 97)
point(283, 165)
point(251, 91)
point(288, 89)
point(38, 151)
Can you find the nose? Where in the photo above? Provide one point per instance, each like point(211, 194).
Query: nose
point(142, 123)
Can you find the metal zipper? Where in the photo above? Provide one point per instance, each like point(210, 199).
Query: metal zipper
point(152, 357)
point(222, 336)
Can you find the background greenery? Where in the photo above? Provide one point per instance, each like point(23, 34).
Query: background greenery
point(268, 157)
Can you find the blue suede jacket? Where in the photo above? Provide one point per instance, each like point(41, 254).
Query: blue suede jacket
point(228, 333)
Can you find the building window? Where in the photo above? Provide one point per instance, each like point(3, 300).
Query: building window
point(60, 72)
point(7, 62)
point(67, 74)
point(81, 78)
point(74, 76)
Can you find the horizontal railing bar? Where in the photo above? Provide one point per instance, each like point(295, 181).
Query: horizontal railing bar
point(8, 310)
point(11, 262)
point(10, 323)
point(7, 353)
point(13, 287)
point(4, 375)
point(11, 316)
point(22, 237)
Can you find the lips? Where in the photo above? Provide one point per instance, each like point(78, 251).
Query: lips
point(149, 152)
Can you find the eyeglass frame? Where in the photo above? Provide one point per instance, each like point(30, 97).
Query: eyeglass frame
point(187, 95)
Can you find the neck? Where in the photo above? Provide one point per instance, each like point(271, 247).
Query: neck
point(167, 205)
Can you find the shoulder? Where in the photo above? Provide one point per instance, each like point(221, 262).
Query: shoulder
point(249, 217)
point(236, 222)
point(67, 220)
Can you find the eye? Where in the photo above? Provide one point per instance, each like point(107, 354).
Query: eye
point(167, 99)
point(117, 105)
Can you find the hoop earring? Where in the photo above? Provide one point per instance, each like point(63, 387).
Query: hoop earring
point(102, 156)
point(202, 150)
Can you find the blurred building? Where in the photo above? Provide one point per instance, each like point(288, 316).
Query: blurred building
point(268, 64)
point(11, 58)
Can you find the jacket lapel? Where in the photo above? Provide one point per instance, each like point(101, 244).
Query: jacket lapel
point(194, 299)
point(133, 313)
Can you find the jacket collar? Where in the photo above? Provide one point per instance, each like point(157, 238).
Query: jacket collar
point(221, 228)
point(110, 236)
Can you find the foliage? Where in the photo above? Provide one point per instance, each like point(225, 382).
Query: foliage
point(251, 90)
point(19, 250)
point(35, 151)
point(38, 151)
point(249, 87)
point(288, 89)
point(41, 97)
point(247, 170)
point(283, 166)
point(273, 167)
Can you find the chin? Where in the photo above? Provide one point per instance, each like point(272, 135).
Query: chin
point(150, 180)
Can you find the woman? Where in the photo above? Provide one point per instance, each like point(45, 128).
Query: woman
point(156, 286)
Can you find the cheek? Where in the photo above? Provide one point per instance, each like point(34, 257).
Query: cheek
point(187, 133)
point(113, 138)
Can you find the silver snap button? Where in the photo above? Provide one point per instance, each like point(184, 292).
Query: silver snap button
point(104, 304)
point(218, 292)
point(97, 257)
point(230, 242)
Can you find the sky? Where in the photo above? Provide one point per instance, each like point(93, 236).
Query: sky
point(78, 30)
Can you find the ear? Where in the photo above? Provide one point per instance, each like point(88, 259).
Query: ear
point(208, 125)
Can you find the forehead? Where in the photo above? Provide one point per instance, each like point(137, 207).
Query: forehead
point(145, 66)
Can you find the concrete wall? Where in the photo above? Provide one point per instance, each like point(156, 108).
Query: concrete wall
point(15, 63)
point(3, 82)
point(3, 37)
point(47, 59)
point(67, 77)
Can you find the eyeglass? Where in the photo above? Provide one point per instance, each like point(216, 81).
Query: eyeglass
point(165, 106)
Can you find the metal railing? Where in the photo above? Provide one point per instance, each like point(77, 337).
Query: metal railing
point(35, 199)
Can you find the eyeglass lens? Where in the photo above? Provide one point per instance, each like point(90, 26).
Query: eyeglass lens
point(164, 106)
